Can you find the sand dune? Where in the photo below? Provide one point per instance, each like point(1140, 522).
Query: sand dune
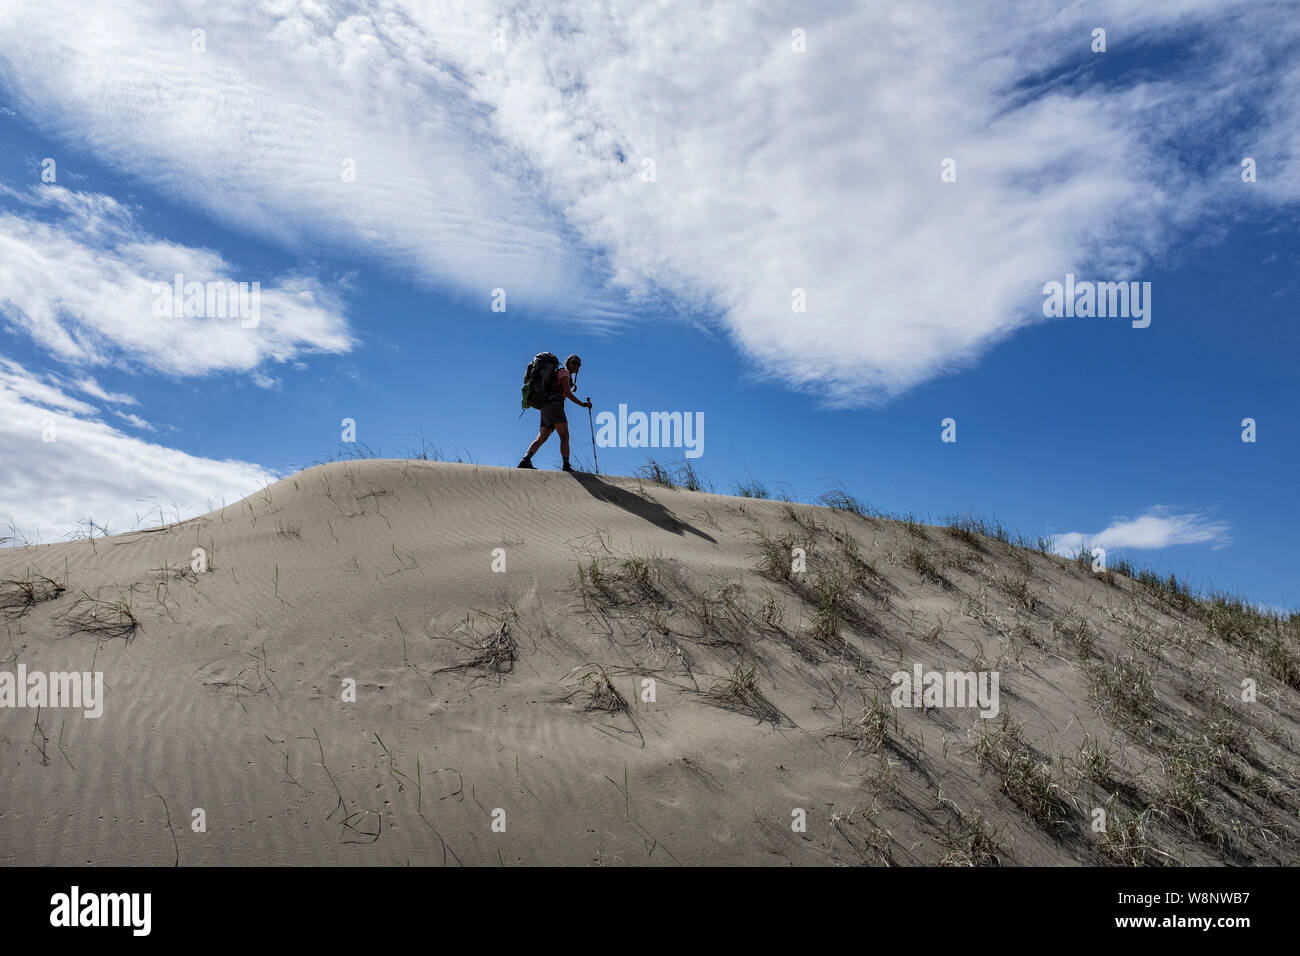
point(515, 696)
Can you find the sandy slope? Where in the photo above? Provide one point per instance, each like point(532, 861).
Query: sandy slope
point(228, 696)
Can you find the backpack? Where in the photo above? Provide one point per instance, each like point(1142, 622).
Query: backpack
point(541, 380)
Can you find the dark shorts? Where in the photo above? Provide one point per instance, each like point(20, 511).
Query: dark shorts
point(553, 414)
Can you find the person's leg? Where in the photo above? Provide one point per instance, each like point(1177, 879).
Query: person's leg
point(563, 429)
point(543, 434)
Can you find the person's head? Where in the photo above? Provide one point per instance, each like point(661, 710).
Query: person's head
point(573, 363)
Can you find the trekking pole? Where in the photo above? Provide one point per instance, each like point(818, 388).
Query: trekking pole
point(592, 425)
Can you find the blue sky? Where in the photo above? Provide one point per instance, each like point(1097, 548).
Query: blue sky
point(475, 173)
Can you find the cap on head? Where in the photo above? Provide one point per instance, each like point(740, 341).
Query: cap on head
point(573, 360)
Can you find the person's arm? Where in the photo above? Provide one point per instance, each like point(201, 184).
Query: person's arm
point(568, 393)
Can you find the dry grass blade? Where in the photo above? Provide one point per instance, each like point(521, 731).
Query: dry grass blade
point(869, 731)
point(494, 652)
point(1023, 775)
point(19, 595)
point(739, 693)
point(919, 561)
point(972, 843)
point(105, 620)
point(595, 690)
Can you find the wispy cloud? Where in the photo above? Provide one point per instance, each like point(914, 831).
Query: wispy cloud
point(88, 386)
point(135, 421)
point(310, 124)
point(80, 277)
point(1159, 527)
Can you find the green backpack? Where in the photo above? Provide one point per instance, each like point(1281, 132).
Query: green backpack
point(541, 380)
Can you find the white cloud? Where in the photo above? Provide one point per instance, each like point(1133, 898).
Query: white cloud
point(88, 386)
point(92, 470)
point(82, 284)
point(135, 421)
point(820, 171)
point(257, 129)
point(33, 389)
point(1158, 527)
point(775, 170)
point(262, 380)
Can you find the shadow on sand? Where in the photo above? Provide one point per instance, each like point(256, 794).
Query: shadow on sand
point(651, 511)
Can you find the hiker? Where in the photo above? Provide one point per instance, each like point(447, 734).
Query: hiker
point(551, 404)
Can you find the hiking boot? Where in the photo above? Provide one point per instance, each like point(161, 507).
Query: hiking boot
point(524, 463)
point(567, 467)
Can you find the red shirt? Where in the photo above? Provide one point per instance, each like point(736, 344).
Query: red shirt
point(563, 380)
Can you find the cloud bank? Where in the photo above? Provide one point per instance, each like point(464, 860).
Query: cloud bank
point(505, 145)
point(62, 465)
